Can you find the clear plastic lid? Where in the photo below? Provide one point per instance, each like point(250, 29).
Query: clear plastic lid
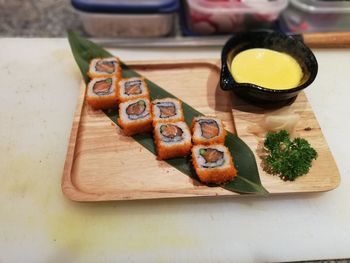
point(126, 6)
point(322, 6)
point(239, 6)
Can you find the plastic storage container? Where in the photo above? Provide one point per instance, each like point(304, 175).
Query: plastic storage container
point(206, 17)
point(317, 16)
point(127, 18)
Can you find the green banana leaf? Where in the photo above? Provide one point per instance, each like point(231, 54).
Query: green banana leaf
point(247, 181)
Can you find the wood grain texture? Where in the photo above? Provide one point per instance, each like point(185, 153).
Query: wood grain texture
point(102, 164)
point(327, 39)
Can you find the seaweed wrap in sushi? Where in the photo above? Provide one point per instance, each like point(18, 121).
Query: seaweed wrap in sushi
point(208, 130)
point(104, 67)
point(213, 163)
point(132, 88)
point(135, 116)
point(167, 110)
point(101, 93)
point(172, 139)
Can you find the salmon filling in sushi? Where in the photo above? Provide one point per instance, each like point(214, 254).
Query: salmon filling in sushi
point(167, 110)
point(137, 110)
point(212, 157)
point(132, 88)
point(213, 163)
point(135, 116)
point(104, 67)
point(208, 130)
point(101, 93)
point(172, 140)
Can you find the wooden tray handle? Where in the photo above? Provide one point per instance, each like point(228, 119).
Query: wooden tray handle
point(327, 40)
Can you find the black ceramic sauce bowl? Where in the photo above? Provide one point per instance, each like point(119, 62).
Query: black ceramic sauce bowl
point(274, 41)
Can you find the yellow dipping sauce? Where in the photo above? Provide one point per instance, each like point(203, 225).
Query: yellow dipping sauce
point(266, 68)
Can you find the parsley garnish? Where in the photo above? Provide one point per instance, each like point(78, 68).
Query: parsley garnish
point(288, 158)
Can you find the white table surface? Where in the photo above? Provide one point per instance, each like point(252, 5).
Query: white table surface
point(39, 89)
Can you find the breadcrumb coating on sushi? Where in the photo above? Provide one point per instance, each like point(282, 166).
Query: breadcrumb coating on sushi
point(167, 110)
point(172, 140)
point(104, 67)
point(208, 130)
point(132, 88)
point(101, 93)
point(213, 163)
point(135, 116)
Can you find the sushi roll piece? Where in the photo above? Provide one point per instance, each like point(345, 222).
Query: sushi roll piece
point(135, 116)
point(104, 67)
point(101, 93)
point(213, 163)
point(172, 139)
point(167, 110)
point(208, 130)
point(132, 88)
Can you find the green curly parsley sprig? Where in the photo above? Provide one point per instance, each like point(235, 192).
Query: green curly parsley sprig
point(288, 158)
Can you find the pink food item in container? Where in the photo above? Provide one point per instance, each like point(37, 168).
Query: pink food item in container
point(207, 17)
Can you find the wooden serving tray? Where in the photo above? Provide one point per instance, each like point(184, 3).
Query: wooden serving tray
point(102, 164)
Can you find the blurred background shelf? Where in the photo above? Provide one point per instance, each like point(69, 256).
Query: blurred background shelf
point(169, 18)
